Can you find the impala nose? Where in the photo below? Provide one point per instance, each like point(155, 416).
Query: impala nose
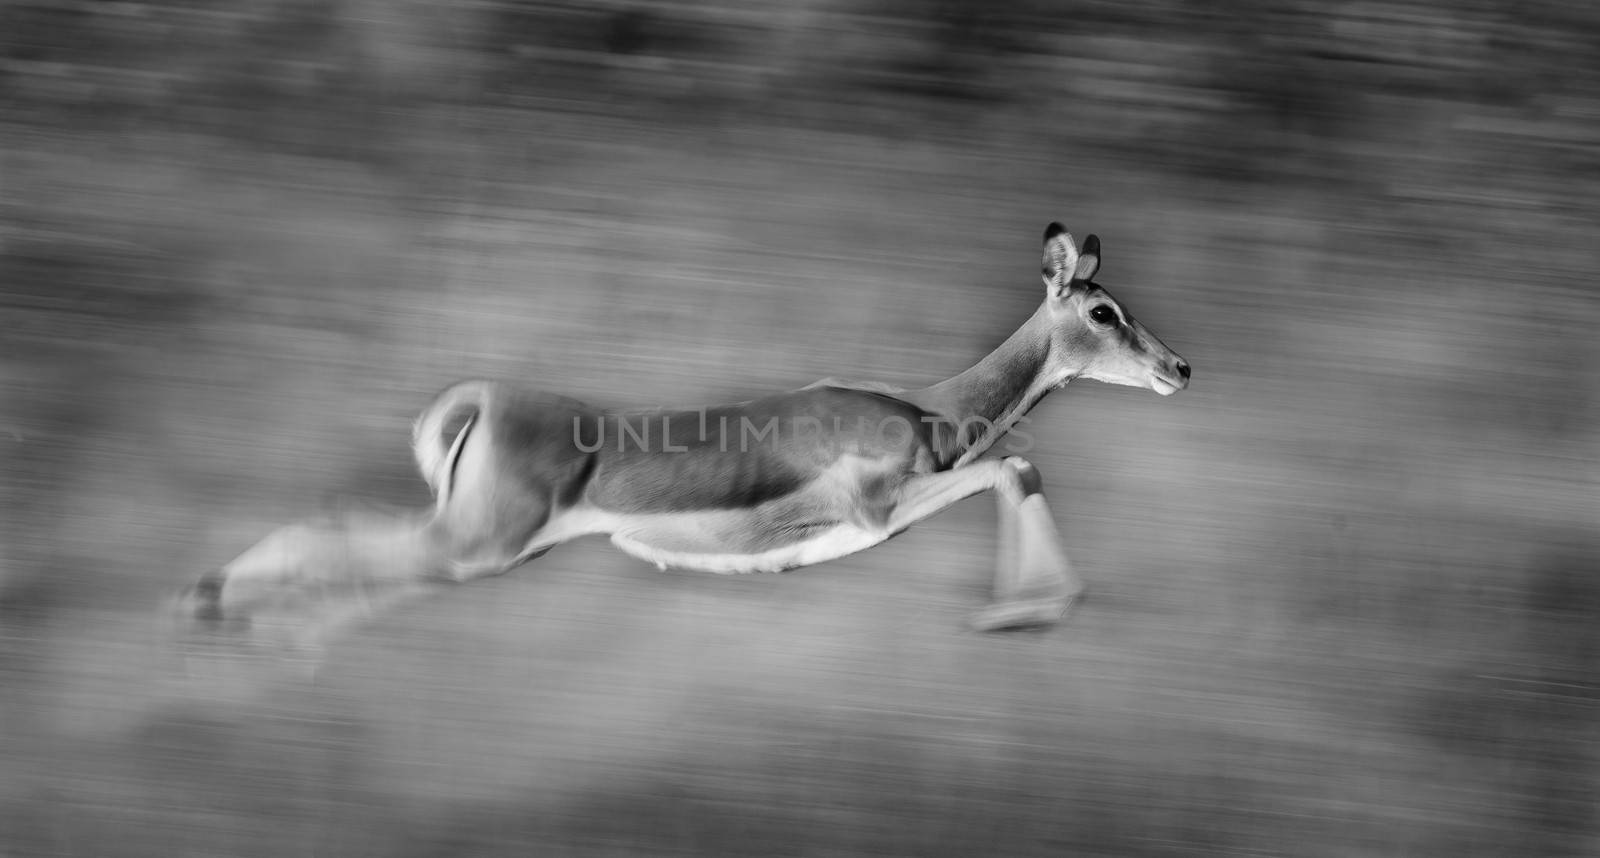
point(1183, 368)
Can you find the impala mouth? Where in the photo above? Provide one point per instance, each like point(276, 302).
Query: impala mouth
point(1163, 387)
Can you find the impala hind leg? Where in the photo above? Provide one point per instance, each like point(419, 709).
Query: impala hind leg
point(319, 577)
point(308, 579)
point(1034, 583)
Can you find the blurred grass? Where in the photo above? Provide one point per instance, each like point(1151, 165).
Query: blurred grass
point(1343, 589)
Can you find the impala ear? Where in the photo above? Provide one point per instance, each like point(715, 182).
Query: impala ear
point(1089, 259)
point(1060, 259)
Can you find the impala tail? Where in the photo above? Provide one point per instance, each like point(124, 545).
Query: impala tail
point(311, 578)
point(305, 581)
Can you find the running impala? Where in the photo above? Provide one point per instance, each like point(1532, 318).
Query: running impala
point(783, 481)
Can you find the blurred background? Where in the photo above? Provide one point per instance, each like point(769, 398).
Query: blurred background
point(1343, 590)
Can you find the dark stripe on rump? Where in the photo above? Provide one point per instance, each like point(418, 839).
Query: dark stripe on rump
point(466, 435)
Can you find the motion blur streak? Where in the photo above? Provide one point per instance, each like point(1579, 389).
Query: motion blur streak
point(1343, 590)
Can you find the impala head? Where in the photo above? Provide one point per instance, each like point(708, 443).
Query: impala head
point(1092, 334)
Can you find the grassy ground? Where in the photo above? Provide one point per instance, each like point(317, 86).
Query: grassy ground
point(1342, 590)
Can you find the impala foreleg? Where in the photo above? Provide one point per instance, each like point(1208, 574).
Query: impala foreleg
point(1033, 581)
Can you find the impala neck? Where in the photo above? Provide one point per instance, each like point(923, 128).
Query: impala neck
point(992, 396)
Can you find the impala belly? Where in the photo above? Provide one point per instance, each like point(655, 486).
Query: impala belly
point(826, 517)
point(754, 540)
point(722, 542)
point(749, 455)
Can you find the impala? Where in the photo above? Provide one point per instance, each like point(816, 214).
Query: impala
point(784, 481)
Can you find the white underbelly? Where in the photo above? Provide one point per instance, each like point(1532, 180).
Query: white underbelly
point(655, 545)
point(812, 526)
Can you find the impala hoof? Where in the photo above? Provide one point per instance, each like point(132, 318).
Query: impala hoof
point(204, 600)
point(1021, 614)
point(199, 606)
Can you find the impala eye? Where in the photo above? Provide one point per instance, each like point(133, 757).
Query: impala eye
point(1103, 314)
